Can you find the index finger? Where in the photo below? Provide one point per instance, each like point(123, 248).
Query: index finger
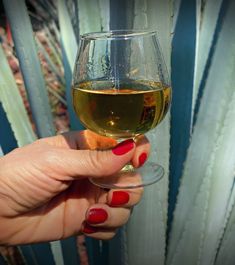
point(83, 140)
point(86, 139)
point(90, 140)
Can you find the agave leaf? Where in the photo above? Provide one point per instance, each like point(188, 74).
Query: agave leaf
point(204, 226)
point(187, 253)
point(140, 15)
point(209, 167)
point(104, 8)
point(55, 49)
point(13, 104)
point(94, 16)
point(51, 64)
point(68, 39)
point(226, 255)
point(56, 31)
point(222, 182)
point(146, 229)
point(69, 51)
point(57, 95)
point(30, 66)
point(159, 15)
point(56, 250)
point(207, 18)
point(89, 16)
point(27, 53)
point(183, 58)
point(40, 10)
point(176, 10)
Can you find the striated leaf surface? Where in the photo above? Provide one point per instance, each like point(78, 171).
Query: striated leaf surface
point(205, 190)
point(13, 104)
point(146, 230)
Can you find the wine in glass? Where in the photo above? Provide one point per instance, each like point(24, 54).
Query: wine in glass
point(121, 89)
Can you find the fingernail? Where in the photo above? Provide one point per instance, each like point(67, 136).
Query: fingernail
point(96, 216)
point(119, 198)
point(123, 147)
point(142, 159)
point(87, 229)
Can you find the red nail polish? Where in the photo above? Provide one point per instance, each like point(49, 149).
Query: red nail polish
point(119, 198)
point(96, 216)
point(142, 159)
point(123, 147)
point(87, 229)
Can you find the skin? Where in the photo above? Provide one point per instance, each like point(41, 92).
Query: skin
point(45, 193)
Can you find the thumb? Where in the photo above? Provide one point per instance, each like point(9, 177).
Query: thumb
point(75, 164)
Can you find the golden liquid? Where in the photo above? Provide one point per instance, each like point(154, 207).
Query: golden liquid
point(131, 110)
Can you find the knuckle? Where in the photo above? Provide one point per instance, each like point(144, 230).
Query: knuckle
point(49, 156)
point(37, 141)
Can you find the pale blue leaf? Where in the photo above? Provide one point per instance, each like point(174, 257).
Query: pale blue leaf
point(68, 39)
point(206, 25)
point(30, 66)
point(205, 189)
point(13, 105)
point(57, 252)
point(104, 8)
point(90, 16)
point(1, 152)
point(182, 61)
point(146, 230)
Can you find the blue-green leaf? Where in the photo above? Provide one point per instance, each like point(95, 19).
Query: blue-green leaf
point(13, 104)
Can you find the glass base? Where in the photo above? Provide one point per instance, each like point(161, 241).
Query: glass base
point(130, 177)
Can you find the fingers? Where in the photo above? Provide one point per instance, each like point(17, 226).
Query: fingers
point(141, 152)
point(98, 233)
point(127, 198)
point(103, 220)
point(84, 162)
point(104, 216)
point(75, 164)
point(89, 140)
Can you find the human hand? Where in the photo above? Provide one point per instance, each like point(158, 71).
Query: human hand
point(45, 193)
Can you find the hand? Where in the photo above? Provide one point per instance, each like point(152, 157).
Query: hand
point(45, 193)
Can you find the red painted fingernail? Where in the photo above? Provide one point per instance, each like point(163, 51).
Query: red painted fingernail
point(119, 198)
point(123, 147)
point(96, 216)
point(142, 159)
point(87, 229)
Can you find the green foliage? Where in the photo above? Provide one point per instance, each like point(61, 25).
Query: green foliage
point(68, 39)
point(13, 104)
point(206, 191)
point(146, 230)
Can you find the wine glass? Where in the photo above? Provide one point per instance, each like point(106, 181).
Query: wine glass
point(121, 89)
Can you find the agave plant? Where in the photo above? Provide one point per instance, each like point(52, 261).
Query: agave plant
point(187, 217)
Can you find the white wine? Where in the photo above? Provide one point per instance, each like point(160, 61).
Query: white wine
point(132, 109)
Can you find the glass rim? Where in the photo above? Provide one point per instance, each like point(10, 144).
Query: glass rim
point(117, 34)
